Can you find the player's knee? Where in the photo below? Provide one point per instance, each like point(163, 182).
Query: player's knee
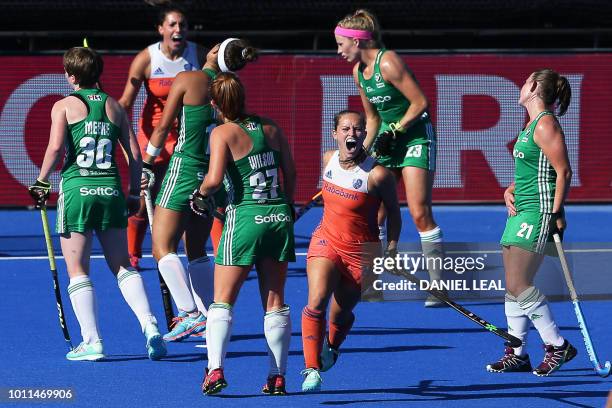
point(160, 251)
point(515, 287)
point(316, 307)
point(421, 215)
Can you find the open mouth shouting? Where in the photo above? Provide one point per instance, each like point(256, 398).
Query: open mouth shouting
point(351, 144)
point(177, 39)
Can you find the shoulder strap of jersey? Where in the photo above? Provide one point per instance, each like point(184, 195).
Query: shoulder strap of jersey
point(537, 119)
point(377, 62)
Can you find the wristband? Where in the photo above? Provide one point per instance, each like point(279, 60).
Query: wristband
point(397, 127)
point(152, 150)
point(559, 213)
point(134, 197)
point(147, 166)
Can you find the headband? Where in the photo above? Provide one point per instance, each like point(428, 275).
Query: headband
point(351, 33)
point(221, 54)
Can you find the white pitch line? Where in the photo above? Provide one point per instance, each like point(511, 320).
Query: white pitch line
point(33, 258)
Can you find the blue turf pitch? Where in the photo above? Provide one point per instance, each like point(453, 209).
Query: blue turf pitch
point(398, 354)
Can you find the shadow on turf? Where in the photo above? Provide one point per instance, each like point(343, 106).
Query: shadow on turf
point(482, 391)
point(374, 331)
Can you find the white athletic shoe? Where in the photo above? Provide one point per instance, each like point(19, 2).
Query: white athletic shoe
point(87, 352)
point(312, 380)
point(156, 348)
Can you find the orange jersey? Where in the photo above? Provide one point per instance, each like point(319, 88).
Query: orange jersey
point(349, 214)
point(349, 220)
point(163, 72)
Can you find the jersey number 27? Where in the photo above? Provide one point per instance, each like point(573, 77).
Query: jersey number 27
point(260, 182)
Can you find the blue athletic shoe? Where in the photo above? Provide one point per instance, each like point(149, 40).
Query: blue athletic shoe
point(156, 348)
point(328, 357)
point(187, 327)
point(176, 320)
point(312, 380)
point(87, 352)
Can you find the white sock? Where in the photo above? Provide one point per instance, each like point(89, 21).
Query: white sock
point(133, 291)
point(173, 272)
point(518, 323)
point(534, 304)
point(431, 243)
point(201, 275)
point(83, 299)
point(218, 332)
point(277, 328)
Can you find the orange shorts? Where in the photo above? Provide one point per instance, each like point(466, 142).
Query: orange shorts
point(350, 259)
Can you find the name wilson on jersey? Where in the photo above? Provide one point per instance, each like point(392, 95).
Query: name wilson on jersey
point(262, 160)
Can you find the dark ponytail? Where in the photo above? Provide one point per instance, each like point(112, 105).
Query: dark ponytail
point(553, 88)
point(564, 94)
point(237, 53)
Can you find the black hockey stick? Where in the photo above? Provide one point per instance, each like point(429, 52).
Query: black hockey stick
point(511, 340)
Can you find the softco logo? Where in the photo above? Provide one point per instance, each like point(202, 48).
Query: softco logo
point(380, 99)
point(100, 191)
point(261, 219)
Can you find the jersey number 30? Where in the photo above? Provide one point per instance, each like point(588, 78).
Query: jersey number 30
point(260, 182)
point(90, 152)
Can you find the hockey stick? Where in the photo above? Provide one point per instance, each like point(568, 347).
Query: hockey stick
point(602, 371)
point(56, 289)
point(306, 207)
point(298, 214)
point(167, 300)
point(512, 341)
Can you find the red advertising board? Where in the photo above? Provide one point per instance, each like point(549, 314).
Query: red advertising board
point(473, 102)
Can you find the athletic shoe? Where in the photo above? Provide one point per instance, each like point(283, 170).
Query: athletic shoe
point(275, 385)
point(214, 381)
point(329, 356)
point(554, 358)
point(510, 363)
point(87, 352)
point(186, 328)
point(134, 260)
point(312, 380)
point(156, 348)
point(176, 320)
